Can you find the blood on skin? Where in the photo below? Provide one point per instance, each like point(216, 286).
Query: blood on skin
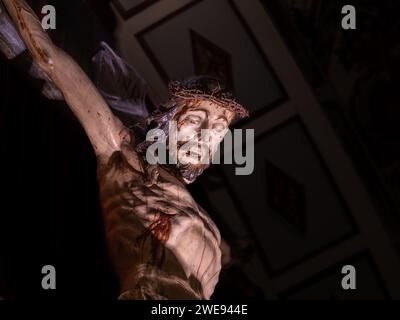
point(161, 227)
point(39, 51)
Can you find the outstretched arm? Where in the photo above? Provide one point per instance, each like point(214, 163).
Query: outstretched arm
point(102, 127)
point(13, 48)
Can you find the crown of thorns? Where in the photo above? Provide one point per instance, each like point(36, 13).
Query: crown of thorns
point(206, 88)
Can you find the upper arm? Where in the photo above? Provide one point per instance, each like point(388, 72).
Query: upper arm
point(102, 127)
point(105, 131)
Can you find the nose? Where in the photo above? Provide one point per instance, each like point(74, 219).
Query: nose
point(205, 125)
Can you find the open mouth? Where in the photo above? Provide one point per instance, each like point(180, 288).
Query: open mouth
point(193, 154)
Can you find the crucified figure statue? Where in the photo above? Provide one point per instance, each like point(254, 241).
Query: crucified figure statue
point(162, 244)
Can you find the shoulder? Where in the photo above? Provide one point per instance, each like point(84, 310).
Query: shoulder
point(124, 156)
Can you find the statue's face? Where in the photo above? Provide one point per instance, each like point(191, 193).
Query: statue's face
point(191, 125)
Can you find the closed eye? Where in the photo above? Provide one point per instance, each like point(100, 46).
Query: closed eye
point(219, 128)
point(192, 119)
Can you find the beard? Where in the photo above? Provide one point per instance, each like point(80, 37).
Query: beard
point(190, 172)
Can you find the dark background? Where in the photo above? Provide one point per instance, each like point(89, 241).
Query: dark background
point(50, 212)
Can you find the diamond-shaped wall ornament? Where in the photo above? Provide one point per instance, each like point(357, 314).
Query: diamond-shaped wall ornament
point(210, 60)
point(286, 197)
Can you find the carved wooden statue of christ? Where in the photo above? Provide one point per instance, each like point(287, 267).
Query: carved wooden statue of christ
point(162, 244)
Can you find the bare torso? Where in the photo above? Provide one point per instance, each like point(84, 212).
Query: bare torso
point(163, 245)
